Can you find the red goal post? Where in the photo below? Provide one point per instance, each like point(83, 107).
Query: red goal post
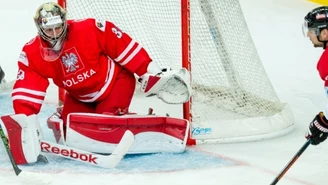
point(233, 99)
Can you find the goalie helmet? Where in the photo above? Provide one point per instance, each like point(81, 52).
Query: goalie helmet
point(50, 20)
point(316, 20)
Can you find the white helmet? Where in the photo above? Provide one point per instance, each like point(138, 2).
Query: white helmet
point(51, 16)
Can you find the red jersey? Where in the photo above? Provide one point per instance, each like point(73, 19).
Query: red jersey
point(92, 55)
point(322, 68)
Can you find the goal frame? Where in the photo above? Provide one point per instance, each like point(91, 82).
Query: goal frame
point(278, 117)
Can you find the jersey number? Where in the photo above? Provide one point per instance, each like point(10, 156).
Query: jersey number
point(117, 32)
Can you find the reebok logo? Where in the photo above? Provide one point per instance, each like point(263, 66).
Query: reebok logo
point(46, 147)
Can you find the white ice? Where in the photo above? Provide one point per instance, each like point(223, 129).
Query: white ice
point(290, 62)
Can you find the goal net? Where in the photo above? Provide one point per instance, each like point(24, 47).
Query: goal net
point(233, 99)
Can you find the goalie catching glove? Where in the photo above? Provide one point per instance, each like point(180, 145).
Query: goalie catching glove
point(171, 86)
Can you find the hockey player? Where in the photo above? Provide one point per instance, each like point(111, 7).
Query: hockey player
point(2, 76)
point(95, 62)
point(316, 28)
point(4, 85)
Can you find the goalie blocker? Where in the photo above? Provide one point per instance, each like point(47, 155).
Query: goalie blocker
point(100, 133)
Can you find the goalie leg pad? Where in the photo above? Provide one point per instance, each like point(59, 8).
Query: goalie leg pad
point(24, 136)
point(100, 133)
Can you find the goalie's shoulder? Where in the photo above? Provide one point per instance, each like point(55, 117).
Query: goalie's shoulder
point(31, 48)
point(31, 42)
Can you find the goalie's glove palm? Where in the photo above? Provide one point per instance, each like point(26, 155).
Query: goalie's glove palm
point(171, 86)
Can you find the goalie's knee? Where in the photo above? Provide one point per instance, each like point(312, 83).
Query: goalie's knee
point(56, 124)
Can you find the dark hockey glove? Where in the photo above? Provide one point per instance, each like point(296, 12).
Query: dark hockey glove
point(318, 129)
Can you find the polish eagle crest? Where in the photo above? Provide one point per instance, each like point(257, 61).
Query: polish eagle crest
point(70, 62)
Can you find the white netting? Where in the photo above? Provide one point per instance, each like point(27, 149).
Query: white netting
point(233, 97)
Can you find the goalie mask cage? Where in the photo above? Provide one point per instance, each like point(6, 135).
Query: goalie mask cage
point(233, 99)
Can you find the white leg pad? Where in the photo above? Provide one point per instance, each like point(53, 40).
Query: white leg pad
point(24, 134)
point(100, 133)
